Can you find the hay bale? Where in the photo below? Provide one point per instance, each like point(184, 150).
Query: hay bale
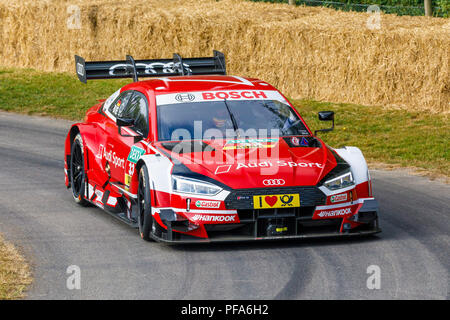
point(307, 52)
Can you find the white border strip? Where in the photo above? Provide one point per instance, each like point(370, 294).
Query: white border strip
point(218, 95)
point(197, 211)
point(132, 195)
point(345, 204)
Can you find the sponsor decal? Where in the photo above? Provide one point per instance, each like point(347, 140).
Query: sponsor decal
point(131, 167)
point(207, 204)
point(295, 142)
point(304, 142)
point(184, 97)
point(279, 163)
point(223, 169)
point(150, 68)
point(334, 213)
point(276, 201)
point(234, 95)
point(110, 156)
point(339, 197)
point(214, 218)
point(274, 182)
point(135, 154)
point(249, 143)
point(112, 201)
point(171, 98)
point(127, 181)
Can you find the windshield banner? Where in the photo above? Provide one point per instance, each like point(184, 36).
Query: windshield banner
point(202, 96)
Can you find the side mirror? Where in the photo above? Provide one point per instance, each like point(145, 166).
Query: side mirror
point(326, 116)
point(125, 122)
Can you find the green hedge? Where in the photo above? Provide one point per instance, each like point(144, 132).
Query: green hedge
point(444, 7)
point(441, 8)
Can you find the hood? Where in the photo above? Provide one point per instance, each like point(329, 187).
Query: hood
point(253, 163)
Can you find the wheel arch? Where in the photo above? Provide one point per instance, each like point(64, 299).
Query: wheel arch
point(159, 173)
point(357, 162)
point(88, 136)
point(73, 133)
point(135, 179)
point(74, 130)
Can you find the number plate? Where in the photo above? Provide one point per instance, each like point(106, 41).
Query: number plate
point(276, 201)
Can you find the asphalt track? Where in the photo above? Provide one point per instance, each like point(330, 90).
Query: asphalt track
point(37, 213)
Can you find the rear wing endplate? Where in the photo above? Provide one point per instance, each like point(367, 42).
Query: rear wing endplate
point(130, 68)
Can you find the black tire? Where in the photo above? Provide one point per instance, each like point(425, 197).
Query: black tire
point(77, 172)
point(145, 218)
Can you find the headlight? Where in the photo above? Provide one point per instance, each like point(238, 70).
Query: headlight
point(188, 185)
point(343, 181)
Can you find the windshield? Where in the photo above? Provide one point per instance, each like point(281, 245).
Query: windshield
point(227, 119)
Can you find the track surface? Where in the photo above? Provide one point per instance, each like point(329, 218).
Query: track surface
point(37, 214)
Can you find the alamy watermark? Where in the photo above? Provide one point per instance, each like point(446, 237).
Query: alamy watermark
point(74, 19)
point(73, 281)
point(374, 280)
point(374, 21)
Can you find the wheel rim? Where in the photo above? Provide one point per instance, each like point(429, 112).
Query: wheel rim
point(77, 170)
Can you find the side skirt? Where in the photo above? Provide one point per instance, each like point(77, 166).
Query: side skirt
point(124, 209)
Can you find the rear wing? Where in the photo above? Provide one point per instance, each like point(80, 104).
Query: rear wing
point(131, 68)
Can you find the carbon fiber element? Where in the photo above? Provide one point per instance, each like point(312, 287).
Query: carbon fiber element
point(310, 196)
point(341, 166)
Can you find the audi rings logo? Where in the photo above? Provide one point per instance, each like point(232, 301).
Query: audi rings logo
point(274, 182)
point(182, 97)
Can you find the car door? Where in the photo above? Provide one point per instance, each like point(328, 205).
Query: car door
point(125, 149)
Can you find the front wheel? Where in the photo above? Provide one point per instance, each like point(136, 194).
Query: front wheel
point(145, 218)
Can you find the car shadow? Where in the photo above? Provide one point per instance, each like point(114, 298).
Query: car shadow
point(273, 244)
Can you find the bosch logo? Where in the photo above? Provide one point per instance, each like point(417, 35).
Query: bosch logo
point(182, 97)
point(274, 182)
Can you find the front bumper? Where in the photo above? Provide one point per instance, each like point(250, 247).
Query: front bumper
point(279, 224)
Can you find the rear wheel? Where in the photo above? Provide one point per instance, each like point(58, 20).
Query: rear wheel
point(145, 218)
point(77, 172)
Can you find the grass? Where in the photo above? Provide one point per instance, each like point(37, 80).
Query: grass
point(394, 137)
point(397, 138)
point(59, 95)
point(15, 274)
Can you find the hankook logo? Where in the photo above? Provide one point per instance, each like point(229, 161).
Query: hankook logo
point(274, 182)
point(182, 97)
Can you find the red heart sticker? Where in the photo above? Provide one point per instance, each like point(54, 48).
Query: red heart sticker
point(271, 200)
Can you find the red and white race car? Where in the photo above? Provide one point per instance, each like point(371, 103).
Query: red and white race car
point(195, 155)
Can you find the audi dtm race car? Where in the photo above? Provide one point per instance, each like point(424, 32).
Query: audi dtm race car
point(195, 155)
